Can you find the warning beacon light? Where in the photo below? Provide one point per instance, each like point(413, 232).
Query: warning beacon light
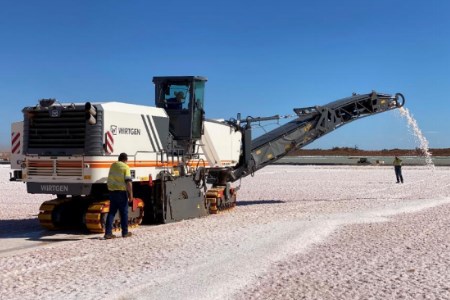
point(46, 102)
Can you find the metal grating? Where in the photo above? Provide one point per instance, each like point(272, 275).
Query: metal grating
point(40, 168)
point(69, 168)
point(66, 131)
point(52, 168)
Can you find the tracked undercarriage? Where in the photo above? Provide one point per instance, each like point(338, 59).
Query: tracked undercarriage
point(179, 199)
point(85, 213)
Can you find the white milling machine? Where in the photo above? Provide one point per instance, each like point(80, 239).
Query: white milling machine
point(183, 165)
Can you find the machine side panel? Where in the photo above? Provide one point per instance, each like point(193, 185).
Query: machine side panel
point(162, 129)
point(221, 143)
point(132, 132)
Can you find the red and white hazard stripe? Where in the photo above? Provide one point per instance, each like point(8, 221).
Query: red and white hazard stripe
point(109, 142)
point(15, 142)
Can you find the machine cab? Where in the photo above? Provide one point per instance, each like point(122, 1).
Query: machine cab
point(182, 97)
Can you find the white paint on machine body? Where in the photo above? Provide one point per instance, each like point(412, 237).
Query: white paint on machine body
point(140, 131)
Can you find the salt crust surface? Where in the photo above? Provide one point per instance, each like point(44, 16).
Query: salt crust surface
point(298, 232)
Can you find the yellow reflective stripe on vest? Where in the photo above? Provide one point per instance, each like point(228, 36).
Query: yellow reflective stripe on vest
point(119, 173)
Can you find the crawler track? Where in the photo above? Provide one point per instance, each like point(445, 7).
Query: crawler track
point(97, 212)
point(219, 200)
point(48, 212)
point(80, 212)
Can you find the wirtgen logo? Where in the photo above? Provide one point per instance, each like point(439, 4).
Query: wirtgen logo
point(54, 188)
point(113, 129)
point(124, 130)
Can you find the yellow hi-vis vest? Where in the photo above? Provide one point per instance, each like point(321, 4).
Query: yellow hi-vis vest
point(397, 162)
point(119, 174)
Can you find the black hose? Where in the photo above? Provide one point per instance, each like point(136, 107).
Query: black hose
point(397, 96)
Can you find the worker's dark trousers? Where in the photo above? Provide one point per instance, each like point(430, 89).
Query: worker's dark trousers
point(398, 173)
point(118, 201)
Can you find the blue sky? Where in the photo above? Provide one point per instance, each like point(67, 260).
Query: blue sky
point(260, 57)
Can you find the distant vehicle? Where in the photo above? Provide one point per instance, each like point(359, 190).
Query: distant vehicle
point(364, 161)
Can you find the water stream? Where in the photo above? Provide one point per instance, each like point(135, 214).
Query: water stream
point(418, 135)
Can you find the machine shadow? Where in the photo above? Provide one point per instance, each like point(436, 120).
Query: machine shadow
point(31, 229)
point(257, 202)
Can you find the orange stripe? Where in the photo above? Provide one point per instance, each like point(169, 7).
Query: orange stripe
point(132, 165)
point(149, 161)
point(65, 165)
point(34, 164)
point(142, 164)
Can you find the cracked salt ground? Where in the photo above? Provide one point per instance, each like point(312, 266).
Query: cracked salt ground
point(397, 259)
point(298, 232)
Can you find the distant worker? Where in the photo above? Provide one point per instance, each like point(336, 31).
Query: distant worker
point(398, 169)
point(176, 102)
point(120, 193)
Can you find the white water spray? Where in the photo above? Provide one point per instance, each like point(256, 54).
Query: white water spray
point(420, 138)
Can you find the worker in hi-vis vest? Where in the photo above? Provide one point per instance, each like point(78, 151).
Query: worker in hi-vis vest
point(120, 193)
point(398, 169)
